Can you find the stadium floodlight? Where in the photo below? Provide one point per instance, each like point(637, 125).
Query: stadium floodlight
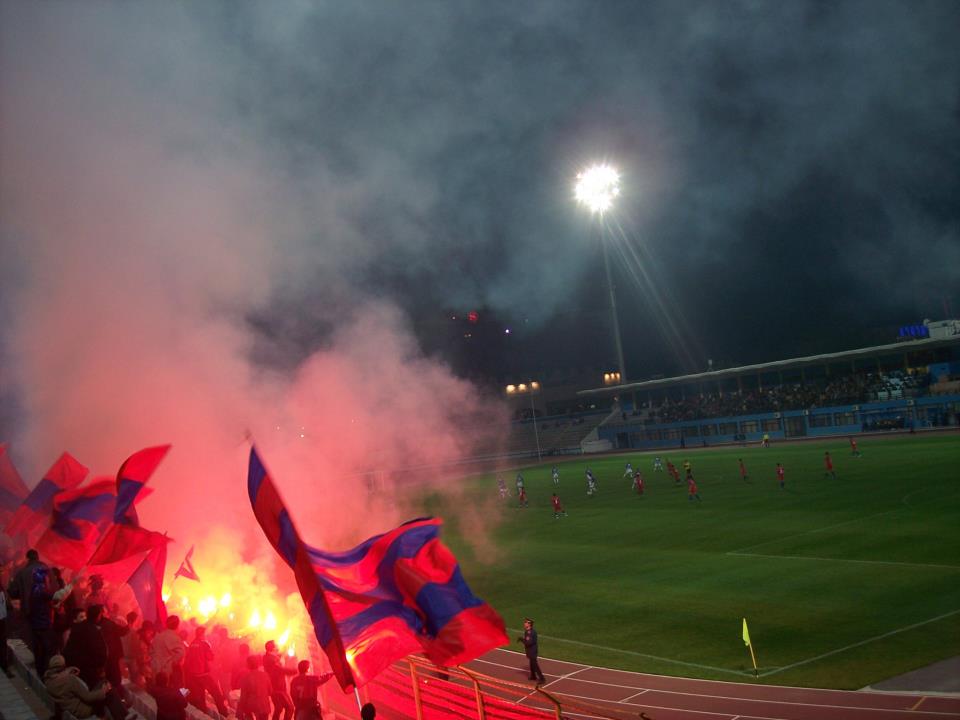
point(597, 187)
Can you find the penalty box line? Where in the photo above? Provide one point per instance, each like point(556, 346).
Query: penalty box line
point(845, 560)
point(739, 673)
point(904, 501)
point(774, 671)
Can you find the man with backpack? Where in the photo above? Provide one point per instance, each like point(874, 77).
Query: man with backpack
point(198, 674)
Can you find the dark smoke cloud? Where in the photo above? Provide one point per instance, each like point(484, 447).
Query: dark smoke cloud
point(201, 202)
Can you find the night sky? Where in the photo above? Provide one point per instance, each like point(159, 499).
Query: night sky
point(790, 170)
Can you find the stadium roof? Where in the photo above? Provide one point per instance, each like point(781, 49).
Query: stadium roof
point(896, 348)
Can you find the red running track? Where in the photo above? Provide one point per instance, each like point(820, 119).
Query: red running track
point(627, 694)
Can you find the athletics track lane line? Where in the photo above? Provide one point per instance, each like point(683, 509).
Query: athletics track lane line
point(818, 703)
point(780, 709)
point(735, 698)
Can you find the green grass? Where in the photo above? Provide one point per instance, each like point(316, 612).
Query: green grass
point(658, 584)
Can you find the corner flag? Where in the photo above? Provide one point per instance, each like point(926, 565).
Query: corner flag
point(746, 641)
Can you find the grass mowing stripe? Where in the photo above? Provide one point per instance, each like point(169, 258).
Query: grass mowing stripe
point(643, 655)
point(903, 501)
point(846, 560)
point(859, 644)
point(653, 572)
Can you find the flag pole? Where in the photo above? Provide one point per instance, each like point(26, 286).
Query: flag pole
point(749, 644)
point(356, 694)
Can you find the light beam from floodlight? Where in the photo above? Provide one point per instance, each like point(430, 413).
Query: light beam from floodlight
point(597, 187)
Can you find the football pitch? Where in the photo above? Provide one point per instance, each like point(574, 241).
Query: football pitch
point(843, 582)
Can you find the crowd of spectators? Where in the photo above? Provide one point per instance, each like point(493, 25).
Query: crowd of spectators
point(896, 384)
point(844, 390)
point(84, 648)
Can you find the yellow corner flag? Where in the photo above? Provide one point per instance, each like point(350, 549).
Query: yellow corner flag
point(746, 641)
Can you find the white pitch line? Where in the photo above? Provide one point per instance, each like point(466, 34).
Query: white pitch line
point(858, 644)
point(810, 532)
point(846, 560)
point(645, 655)
point(903, 501)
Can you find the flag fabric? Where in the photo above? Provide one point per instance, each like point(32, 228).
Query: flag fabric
point(186, 568)
point(12, 489)
point(34, 513)
point(121, 550)
point(146, 582)
point(395, 594)
point(131, 478)
point(79, 517)
point(746, 633)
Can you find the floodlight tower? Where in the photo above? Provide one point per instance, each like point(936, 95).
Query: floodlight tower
point(596, 188)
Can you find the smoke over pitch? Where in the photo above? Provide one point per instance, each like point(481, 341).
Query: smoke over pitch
point(144, 223)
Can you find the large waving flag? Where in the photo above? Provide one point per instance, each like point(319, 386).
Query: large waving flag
point(395, 594)
point(65, 474)
point(138, 557)
point(131, 478)
point(122, 549)
point(79, 517)
point(12, 489)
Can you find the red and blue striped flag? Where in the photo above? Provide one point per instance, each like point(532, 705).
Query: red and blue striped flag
point(12, 489)
point(80, 516)
point(34, 513)
point(131, 478)
point(121, 550)
point(146, 582)
point(395, 594)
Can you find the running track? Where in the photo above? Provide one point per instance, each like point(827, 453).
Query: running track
point(627, 694)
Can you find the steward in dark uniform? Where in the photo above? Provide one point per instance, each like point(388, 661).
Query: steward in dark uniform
point(529, 641)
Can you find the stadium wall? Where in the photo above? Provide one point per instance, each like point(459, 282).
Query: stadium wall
point(907, 413)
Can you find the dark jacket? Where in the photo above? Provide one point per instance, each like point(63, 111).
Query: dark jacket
point(277, 672)
point(21, 584)
point(171, 704)
point(87, 651)
point(530, 642)
point(113, 637)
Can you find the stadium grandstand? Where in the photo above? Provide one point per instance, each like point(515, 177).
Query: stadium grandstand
point(910, 384)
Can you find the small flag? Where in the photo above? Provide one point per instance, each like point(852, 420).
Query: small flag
point(131, 477)
point(746, 633)
point(186, 568)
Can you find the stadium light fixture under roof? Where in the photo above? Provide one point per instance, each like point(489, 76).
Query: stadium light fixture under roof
point(597, 187)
